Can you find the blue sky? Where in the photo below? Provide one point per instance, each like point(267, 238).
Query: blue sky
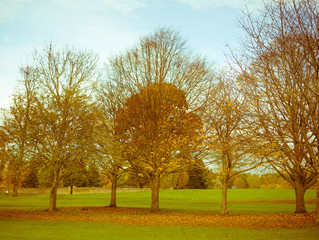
point(109, 27)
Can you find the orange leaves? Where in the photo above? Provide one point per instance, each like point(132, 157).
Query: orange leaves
point(143, 217)
point(156, 123)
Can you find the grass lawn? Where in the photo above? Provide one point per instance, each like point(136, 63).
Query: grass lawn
point(241, 201)
point(15, 229)
point(180, 202)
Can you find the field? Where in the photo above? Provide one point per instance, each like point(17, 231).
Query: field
point(186, 214)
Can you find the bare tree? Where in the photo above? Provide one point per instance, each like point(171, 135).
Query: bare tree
point(159, 64)
point(3, 158)
point(109, 154)
point(17, 128)
point(232, 149)
point(279, 73)
point(109, 143)
point(66, 114)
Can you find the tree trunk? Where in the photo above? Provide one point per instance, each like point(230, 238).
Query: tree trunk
point(71, 189)
point(15, 189)
point(300, 197)
point(224, 194)
point(139, 184)
point(53, 194)
point(113, 191)
point(155, 193)
point(317, 207)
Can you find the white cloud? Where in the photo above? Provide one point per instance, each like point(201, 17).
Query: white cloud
point(208, 4)
point(122, 6)
point(10, 8)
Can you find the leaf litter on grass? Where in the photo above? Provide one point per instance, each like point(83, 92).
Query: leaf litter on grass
point(139, 216)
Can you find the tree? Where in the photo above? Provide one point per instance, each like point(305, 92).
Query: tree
point(196, 172)
point(159, 131)
point(108, 141)
point(253, 181)
point(75, 174)
point(158, 78)
point(232, 149)
point(31, 179)
point(17, 127)
point(3, 157)
point(135, 179)
point(93, 176)
point(279, 73)
point(240, 182)
point(270, 180)
point(65, 117)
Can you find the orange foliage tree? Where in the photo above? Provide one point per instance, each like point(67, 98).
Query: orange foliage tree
point(162, 89)
point(160, 134)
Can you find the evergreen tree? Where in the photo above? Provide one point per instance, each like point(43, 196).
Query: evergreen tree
point(196, 175)
point(93, 176)
point(31, 179)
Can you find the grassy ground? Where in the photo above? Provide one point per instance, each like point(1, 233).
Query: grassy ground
point(13, 229)
point(241, 201)
point(180, 208)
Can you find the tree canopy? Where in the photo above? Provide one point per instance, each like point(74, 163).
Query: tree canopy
point(279, 74)
point(159, 132)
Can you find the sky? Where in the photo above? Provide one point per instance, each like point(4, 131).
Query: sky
point(109, 27)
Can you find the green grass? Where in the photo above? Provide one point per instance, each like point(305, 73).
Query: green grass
point(15, 229)
point(197, 201)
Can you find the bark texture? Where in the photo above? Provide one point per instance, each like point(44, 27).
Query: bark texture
point(53, 194)
point(300, 197)
point(155, 194)
point(113, 191)
point(224, 195)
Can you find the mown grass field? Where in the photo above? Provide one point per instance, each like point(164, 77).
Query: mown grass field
point(241, 201)
point(13, 229)
point(76, 220)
